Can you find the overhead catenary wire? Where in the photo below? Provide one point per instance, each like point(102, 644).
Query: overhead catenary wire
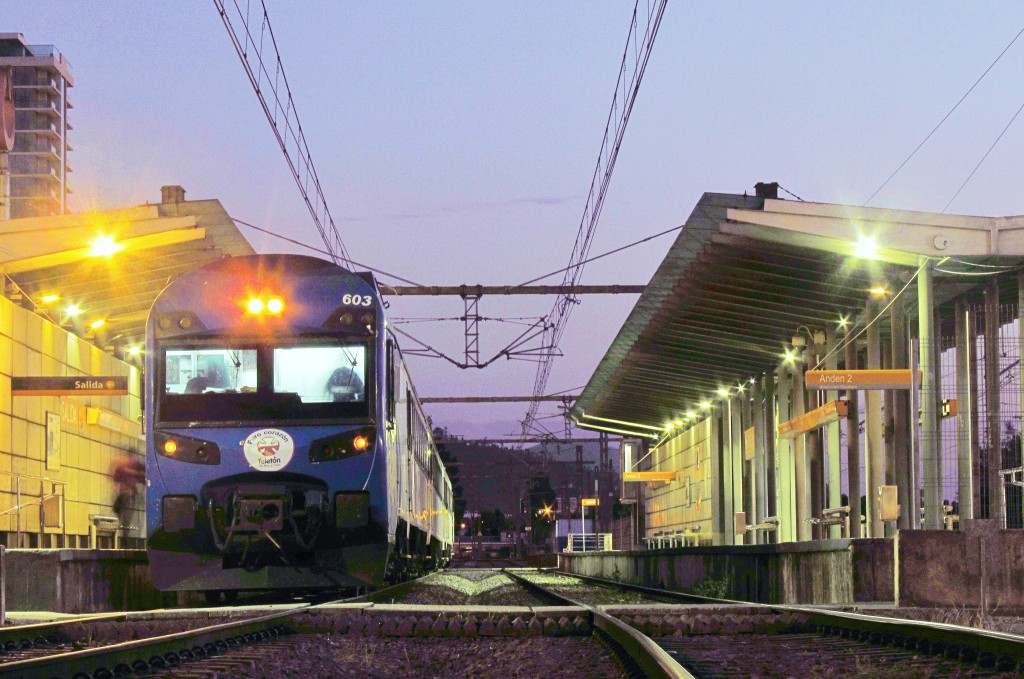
point(944, 118)
point(984, 157)
point(321, 251)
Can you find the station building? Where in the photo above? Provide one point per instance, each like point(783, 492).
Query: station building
point(77, 290)
point(800, 371)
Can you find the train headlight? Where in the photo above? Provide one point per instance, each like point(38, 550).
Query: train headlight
point(342, 446)
point(275, 305)
point(255, 306)
point(186, 448)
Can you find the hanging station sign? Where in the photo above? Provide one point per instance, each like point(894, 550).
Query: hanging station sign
point(819, 417)
point(861, 379)
point(69, 386)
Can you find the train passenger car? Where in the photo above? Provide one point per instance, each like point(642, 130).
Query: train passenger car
point(286, 448)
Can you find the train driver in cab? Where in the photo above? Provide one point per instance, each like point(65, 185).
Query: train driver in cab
point(344, 385)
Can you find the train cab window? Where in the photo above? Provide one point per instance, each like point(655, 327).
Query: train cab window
point(322, 374)
point(298, 380)
point(201, 371)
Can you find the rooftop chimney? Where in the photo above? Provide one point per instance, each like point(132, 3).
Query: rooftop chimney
point(765, 189)
point(176, 194)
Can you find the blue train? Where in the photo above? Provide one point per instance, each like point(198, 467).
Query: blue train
point(286, 448)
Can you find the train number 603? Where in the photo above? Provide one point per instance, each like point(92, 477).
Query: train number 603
point(357, 300)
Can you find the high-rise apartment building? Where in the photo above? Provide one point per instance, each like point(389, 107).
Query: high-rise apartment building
point(33, 174)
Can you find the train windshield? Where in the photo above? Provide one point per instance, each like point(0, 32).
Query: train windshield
point(299, 380)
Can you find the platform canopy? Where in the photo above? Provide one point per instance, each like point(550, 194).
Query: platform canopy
point(109, 266)
point(747, 273)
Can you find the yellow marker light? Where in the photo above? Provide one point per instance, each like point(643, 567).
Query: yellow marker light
point(255, 306)
point(170, 447)
point(50, 299)
point(104, 246)
point(275, 305)
point(97, 324)
point(360, 443)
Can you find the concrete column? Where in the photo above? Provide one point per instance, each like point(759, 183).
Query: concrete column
point(929, 396)
point(995, 447)
point(717, 482)
point(853, 441)
point(801, 459)
point(738, 465)
point(901, 415)
point(875, 453)
point(759, 486)
point(980, 510)
point(784, 503)
point(965, 405)
point(835, 476)
point(749, 463)
point(771, 486)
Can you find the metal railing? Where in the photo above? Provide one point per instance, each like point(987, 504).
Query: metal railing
point(43, 499)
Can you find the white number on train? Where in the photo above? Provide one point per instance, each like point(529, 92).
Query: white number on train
point(357, 300)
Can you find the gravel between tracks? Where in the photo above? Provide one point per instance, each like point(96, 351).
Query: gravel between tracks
point(471, 588)
point(587, 593)
point(332, 656)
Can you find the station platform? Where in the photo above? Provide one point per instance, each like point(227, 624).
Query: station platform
point(60, 581)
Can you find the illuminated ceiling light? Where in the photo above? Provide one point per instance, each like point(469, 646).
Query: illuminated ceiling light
point(739, 387)
point(679, 423)
point(50, 299)
point(104, 246)
point(843, 321)
point(705, 405)
point(691, 414)
point(255, 306)
point(670, 426)
point(722, 391)
point(134, 350)
point(275, 305)
point(866, 248)
point(878, 291)
point(790, 356)
point(99, 323)
point(73, 310)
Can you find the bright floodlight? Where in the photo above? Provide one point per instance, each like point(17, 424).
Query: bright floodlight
point(867, 248)
point(104, 246)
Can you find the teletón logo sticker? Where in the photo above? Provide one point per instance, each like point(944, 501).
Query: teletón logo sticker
point(268, 450)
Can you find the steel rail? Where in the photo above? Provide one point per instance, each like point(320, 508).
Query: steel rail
point(968, 644)
point(651, 658)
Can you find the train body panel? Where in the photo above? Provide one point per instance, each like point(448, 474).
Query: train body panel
point(277, 445)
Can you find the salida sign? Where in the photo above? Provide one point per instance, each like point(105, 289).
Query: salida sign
point(69, 386)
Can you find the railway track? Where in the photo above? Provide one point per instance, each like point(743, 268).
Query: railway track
point(648, 632)
point(730, 639)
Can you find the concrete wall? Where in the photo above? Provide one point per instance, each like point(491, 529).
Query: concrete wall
point(825, 571)
point(981, 565)
point(79, 581)
point(32, 346)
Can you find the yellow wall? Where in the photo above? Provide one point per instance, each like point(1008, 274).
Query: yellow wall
point(32, 346)
point(671, 509)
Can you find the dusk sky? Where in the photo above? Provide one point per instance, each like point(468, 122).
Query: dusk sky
point(456, 142)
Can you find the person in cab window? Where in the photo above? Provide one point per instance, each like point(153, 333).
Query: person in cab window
point(345, 385)
point(208, 377)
